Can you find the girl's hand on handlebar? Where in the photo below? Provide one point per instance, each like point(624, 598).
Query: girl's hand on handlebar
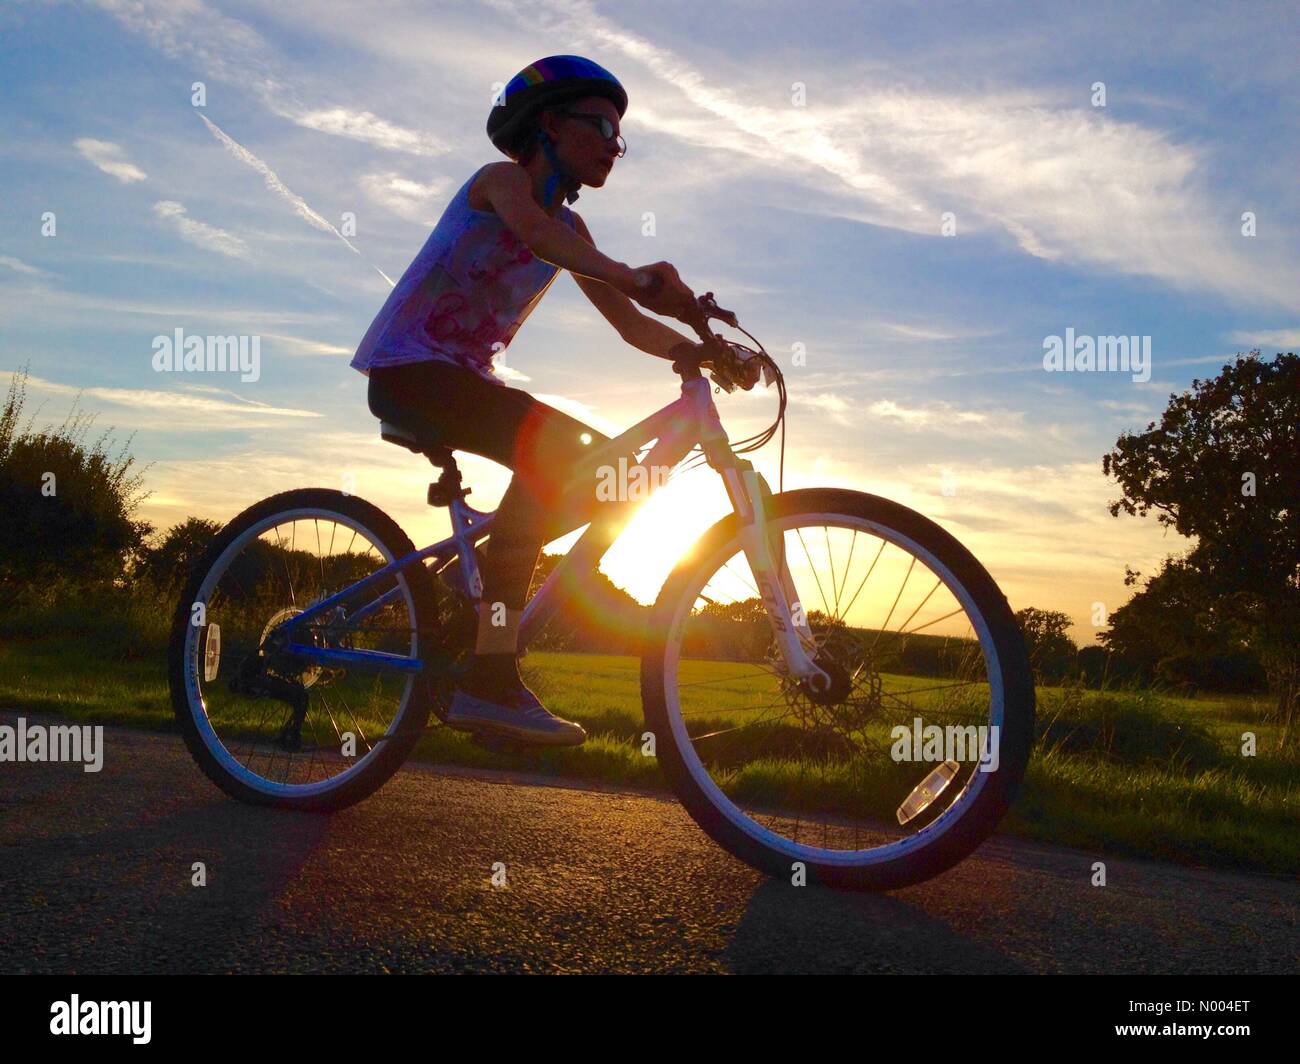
point(689, 348)
point(659, 289)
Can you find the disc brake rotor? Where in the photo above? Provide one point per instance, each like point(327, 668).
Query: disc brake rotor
point(841, 709)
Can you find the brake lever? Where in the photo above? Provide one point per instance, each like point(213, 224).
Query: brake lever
point(710, 308)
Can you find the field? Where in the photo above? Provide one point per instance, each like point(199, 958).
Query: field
point(1133, 772)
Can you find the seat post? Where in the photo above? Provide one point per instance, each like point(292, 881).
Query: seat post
point(448, 485)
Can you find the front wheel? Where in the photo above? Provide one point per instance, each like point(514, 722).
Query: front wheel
point(899, 767)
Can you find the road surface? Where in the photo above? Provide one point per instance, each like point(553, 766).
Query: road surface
point(95, 870)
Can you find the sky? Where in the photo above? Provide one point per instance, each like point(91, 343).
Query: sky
point(915, 198)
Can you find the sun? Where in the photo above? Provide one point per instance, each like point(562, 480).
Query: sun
point(663, 530)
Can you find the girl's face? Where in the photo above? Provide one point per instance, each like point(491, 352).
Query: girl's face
point(578, 142)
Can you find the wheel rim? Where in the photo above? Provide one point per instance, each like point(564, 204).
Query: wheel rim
point(247, 602)
point(760, 798)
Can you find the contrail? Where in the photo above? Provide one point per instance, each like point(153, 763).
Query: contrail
point(278, 187)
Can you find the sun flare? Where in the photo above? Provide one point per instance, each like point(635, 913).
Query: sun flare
point(662, 531)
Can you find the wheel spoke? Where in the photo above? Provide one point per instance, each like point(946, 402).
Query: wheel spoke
point(870, 569)
point(884, 627)
point(847, 566)
point(812, 567)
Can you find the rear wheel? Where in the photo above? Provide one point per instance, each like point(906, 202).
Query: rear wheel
point(274, 728)
point(909, 759)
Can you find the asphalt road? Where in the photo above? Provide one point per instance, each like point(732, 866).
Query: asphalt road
point(95, 871)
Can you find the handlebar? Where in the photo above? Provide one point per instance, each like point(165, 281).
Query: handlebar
point(698, 317)
point(729, 367)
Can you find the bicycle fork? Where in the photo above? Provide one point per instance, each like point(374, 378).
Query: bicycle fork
point(750, 495)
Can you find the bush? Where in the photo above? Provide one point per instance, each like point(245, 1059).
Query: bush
point(66, 507)
point(1212, 672)
point(115, 622)
point(1135, 727)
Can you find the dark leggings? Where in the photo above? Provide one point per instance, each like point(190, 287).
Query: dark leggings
point(455, 407)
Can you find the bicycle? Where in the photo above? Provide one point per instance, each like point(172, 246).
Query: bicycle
point(303, 675)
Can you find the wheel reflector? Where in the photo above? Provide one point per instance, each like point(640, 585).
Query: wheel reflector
point(925, 792)
point(211, 653)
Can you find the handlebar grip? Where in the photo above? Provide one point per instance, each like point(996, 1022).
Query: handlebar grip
point(652, 283)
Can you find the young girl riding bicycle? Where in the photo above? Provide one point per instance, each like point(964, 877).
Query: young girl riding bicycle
point(492, 256)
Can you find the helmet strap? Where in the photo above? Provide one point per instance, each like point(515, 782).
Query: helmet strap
point(558, 173)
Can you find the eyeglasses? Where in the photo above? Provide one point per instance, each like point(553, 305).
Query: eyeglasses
point(603, 124)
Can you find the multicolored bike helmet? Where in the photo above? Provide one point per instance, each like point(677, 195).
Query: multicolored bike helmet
point(546, 83)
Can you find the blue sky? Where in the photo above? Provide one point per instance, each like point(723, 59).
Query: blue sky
point(818, 220)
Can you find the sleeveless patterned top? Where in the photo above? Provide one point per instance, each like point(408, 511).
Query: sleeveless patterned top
point(463, 297)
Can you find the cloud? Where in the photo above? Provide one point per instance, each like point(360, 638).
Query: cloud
point(224, 47)
point(1073, 185)
point(1146, 410)
point(272, 181)
point(582, 411)
point(221, 478)
point(200, 234)
point(229, 50)
point(1278, 339)
point(916, 332)
point(34, 302)
point(370, 128)
point(194, 411)
point(505, 373)
point(298, 345)
point(18, 266)
point(1067, 184)
point(836, 407)
point(404, 197)
point(278, 187)
point(946, 418)
point(109, 158)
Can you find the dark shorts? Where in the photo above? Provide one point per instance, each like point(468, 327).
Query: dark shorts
point(456, 408)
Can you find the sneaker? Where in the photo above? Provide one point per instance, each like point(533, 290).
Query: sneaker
point(517, 714)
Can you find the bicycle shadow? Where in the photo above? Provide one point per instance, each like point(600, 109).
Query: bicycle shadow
point(821, 930)
point(84, 898)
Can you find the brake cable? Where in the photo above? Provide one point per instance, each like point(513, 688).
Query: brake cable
point(708, 309)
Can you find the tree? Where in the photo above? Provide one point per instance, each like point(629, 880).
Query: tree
point(1177, 630)
point(166, 564)
point(1220, 468)
point(1051, 650)
point(67, 508)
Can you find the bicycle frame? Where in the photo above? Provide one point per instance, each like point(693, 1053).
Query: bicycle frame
point(675, 430)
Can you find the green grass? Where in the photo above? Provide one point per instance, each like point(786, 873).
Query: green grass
point(1133, 772)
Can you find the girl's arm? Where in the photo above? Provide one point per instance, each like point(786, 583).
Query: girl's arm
point(506, 186)
point(640, 330)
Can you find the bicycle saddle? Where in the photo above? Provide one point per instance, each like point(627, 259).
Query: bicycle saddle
point(436, 453)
